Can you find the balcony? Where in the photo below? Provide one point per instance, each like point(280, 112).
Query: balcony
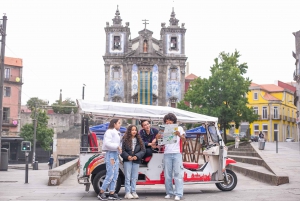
point(277, 117)
point(288, 119)
point(10, 122)
point(284, 118)
point(13, 79)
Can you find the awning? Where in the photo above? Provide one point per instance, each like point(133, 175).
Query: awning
point(9, 139)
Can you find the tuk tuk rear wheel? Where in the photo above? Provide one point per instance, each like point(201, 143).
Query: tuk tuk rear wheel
point(98, 181)
point(232, 182)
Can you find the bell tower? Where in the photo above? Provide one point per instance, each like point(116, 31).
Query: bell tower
point(117, 36)
point(173, 37)
point(117, 41)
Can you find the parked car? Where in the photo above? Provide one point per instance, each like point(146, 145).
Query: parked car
point(289, 139)
point(254, 138)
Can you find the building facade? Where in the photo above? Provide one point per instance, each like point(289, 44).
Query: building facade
point(12, 106)
point(296, 77)
point(145, 70)
point(274, 103)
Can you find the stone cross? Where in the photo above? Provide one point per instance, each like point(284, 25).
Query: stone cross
point(145, 22)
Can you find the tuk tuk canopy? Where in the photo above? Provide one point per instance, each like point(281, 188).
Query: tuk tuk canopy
point(105, 109)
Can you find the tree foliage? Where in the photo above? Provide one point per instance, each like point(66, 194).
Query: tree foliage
point(35, 102)
point(223, 94)
point(64, 107)
point(44, 134)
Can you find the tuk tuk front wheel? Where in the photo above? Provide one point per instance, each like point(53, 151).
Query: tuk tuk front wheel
point(232, 181)
point(98, 181)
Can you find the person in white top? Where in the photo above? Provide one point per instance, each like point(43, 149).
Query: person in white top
point(173, 166)
point(111, 145)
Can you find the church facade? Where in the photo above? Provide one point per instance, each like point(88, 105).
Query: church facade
point(145, 70)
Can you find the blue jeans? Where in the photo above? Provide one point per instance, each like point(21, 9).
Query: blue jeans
point(112, 171)
point(131, 171)
point(173, 165)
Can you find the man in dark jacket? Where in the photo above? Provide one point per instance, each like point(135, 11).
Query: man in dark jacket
point(148, 135)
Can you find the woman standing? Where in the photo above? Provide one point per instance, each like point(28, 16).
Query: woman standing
point(111, 145)
point(173, 167)
point(133, 150)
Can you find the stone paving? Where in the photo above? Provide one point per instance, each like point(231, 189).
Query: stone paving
point(12, 185)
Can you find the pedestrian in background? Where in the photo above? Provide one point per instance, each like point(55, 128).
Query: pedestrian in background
point(237, 141)
point(50, 162)
point(261, 136)
point(111, 145)
point(133, 150)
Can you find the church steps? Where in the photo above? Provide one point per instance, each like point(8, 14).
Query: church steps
point(258, 173)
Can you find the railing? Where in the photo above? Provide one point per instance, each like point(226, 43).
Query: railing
point(10, 122)
point(278, 117)
point(15, 79)
point(90, 150)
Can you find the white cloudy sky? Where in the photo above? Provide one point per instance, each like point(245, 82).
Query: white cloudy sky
point(62, 42)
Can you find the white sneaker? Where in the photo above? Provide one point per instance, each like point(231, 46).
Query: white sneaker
point(167, 196)
point(135, 195)
point(128, 196)
point(177, 198)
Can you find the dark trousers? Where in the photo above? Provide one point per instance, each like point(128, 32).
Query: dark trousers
point(149, 151)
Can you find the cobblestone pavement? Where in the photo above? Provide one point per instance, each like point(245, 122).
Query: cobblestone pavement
point(12, 185)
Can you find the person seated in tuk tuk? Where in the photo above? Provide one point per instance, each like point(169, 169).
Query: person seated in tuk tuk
point(148, 135)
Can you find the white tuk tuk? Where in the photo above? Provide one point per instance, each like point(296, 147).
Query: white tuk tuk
point(92, 164)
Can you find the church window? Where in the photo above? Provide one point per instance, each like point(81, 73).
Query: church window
point(173, 73)
point(173, 44)
point(117, 42)
point(116, 71)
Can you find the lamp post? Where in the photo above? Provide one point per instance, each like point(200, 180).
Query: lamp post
point(3, 34)
point(34, 167)
point(83, 91)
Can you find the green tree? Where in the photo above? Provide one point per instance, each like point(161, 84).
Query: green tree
point(35, 102)
point(64, 107)
point(44, 134)
point(223, 94)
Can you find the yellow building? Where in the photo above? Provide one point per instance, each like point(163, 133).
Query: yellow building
point(277, 113)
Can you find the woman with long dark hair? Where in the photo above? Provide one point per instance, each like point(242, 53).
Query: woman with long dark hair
point(133, 150)
point(111, 145)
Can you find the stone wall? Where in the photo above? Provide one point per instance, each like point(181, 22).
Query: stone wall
point(59, 122)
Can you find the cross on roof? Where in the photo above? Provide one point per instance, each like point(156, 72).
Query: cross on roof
point(145, 23)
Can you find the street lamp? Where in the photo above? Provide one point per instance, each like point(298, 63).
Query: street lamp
point(83, 91)
point(3, 35)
